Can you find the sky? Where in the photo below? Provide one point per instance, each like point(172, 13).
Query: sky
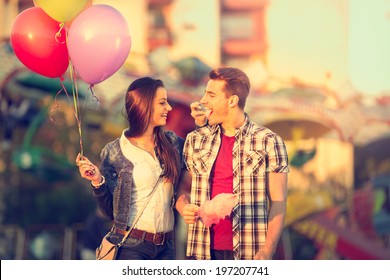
point(331, 42)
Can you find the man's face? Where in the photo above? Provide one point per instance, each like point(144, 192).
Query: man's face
point(216, 102)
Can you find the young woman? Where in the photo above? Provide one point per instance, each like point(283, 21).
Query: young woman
point(130, 167)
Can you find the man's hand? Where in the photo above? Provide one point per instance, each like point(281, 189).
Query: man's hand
point(263, 255)
point(198, 112)
point(190, 213)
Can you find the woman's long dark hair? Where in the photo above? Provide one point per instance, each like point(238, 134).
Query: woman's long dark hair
point(139, 108)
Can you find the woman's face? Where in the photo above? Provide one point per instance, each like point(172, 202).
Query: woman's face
point(161, 108)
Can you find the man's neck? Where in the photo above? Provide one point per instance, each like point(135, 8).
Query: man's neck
point(229, 127)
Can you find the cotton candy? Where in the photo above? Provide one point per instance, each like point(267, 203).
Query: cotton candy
point(211, 211)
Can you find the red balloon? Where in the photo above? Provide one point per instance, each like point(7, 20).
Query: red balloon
point(36, 43)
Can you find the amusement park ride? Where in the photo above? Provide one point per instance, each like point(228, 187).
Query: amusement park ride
point(319, 225)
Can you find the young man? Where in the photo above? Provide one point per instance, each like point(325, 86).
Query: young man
point(231, 154)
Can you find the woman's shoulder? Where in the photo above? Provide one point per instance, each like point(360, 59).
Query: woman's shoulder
point(111, 147)
point(172, 135)
point(113, 144)
point(174, 138)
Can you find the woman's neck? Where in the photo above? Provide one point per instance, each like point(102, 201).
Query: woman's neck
point(144, 143)
point(143, 140)
point(146, 137)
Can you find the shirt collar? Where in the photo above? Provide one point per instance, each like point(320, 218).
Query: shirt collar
point(243, 130)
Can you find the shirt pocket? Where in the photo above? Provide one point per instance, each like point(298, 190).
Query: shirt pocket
point(254, 162)
point(201, 161)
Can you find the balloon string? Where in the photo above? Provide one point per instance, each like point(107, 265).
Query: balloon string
point(77, 112)
point(94, 97)
point(57, 104)
point(59, 35)
point(75, 93)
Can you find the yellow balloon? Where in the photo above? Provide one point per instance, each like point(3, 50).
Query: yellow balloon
point(61, 10)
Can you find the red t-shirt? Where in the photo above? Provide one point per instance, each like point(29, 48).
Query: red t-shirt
point(222, 182)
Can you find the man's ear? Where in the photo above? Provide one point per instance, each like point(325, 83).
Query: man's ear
point(234, 100)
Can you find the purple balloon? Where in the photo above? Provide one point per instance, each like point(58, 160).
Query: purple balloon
point(99, 43)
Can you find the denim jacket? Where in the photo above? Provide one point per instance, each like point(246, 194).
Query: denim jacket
point(114, 196)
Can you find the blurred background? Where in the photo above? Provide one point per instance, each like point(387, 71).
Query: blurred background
point(320, 74)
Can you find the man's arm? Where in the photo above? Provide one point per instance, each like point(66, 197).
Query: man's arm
point(277, 187)
point(188, 211)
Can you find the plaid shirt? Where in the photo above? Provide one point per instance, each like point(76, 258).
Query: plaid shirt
point(256, 150)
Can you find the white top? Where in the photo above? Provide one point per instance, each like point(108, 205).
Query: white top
point(158, 214)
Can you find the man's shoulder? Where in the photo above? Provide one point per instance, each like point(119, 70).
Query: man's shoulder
point(258, 130)
point(200, 132)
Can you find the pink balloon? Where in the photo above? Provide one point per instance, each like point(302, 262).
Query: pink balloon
point(99, 43)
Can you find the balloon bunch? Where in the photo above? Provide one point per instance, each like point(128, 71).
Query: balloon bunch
point(93, 41)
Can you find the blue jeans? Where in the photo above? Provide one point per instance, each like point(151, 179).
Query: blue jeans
point(222, 255)
point(139, 249)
